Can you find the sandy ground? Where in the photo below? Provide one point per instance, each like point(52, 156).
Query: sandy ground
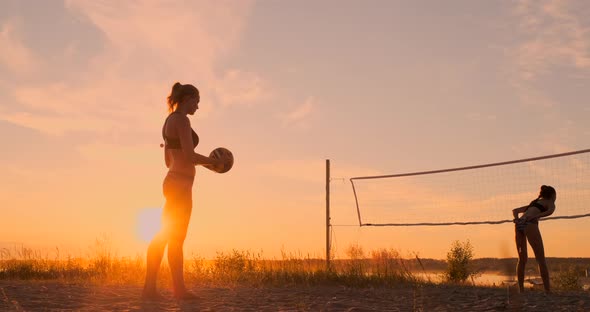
point(58, 296)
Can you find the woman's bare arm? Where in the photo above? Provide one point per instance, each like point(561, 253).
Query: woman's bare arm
point(186, 143)
point(518, 210)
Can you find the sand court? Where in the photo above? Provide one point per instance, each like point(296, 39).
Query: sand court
point(61, 296)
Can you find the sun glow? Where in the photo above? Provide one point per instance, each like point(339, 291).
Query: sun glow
point(148, 223)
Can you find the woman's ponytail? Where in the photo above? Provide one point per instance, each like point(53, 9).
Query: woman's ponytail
point(177, 94)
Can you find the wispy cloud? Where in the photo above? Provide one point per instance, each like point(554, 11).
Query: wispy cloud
point(552, 47)
point(147, 46)
point(555, 36)
point(105, 104)
point(56, 126)
point(299, 115)
point(14, 55)
point(238, 87)
point(182, 35)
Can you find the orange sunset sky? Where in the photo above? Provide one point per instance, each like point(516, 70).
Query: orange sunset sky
point(378, 87)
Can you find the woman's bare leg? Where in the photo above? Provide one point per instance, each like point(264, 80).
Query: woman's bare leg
point(176, 262)
point(181, 218)
point(521, 248)
point(536, 241)
point(175, 221)
point(155, 253)
point(176, 257)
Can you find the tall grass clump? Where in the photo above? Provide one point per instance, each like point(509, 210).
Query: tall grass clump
point(101, 265)
point(236, 266)
point(356, 266)
point(388, 264)
point(295, 268)
point(384, 267)
point(26, 263)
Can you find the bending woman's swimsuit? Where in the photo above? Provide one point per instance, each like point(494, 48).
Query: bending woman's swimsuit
point(535, 203)
point(521, 226)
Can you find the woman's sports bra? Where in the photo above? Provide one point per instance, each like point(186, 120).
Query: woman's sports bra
point(174, 143)
point(535, 203)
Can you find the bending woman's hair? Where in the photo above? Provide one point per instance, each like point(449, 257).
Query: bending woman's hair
point(547, 192)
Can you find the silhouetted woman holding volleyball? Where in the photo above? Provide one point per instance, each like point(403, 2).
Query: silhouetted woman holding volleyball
point(180, 141)
point(527, 228)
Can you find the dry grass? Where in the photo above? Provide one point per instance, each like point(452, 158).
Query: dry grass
point(377, 268)
point(382, 268)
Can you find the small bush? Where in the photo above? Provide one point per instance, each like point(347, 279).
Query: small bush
point(459, 258)
point(568, 278)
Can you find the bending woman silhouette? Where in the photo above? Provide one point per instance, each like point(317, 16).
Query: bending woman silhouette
point(180, 141)
point(527, 228)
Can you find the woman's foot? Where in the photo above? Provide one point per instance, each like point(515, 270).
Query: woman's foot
point(185, 295)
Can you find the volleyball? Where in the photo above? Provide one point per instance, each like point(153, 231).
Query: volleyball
point(221, 152)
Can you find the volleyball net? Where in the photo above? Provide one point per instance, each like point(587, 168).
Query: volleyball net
point(478, 194)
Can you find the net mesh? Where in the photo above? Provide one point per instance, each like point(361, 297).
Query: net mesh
point(482, 194)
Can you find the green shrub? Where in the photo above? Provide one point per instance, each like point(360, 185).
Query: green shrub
point(568, 278)
point(459, 258)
